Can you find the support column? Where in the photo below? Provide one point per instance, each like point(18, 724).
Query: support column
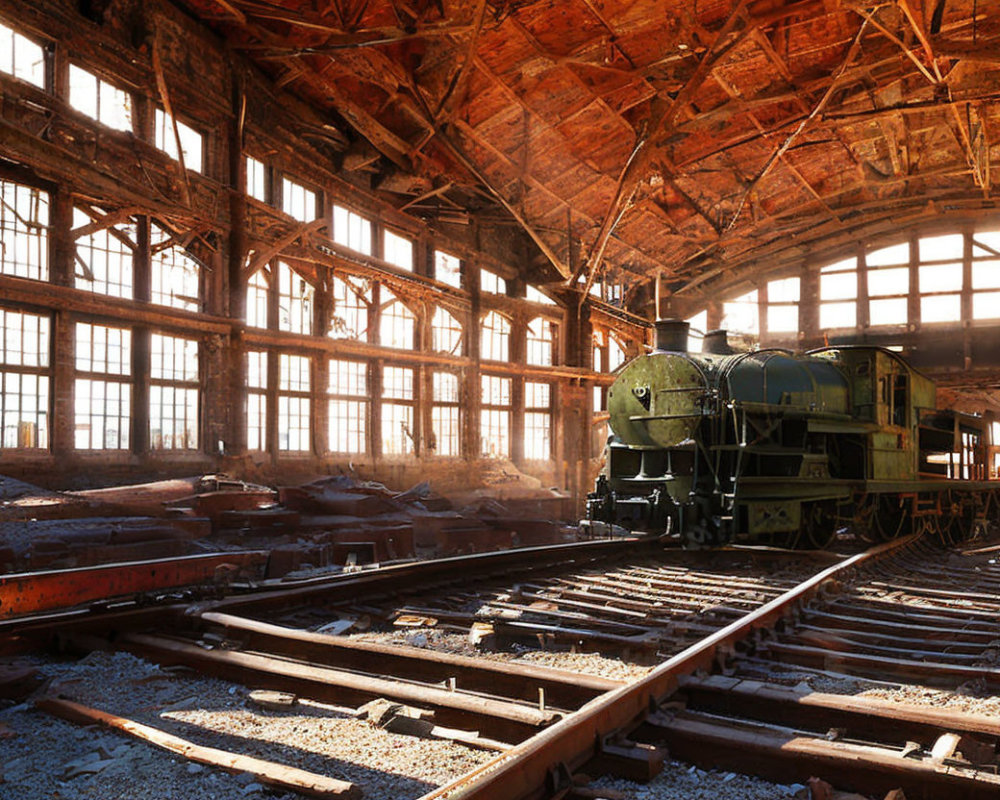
point(809, 333)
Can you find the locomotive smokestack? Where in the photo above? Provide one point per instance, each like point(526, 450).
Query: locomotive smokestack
point(672, 335)
point(717, 343)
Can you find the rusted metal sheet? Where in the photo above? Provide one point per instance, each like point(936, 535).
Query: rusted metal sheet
point(36, 592)
point(522, 773)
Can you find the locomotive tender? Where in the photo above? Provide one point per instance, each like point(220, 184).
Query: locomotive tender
point(779, 448)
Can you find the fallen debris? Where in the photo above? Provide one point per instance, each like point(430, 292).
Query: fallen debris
point(266, 772)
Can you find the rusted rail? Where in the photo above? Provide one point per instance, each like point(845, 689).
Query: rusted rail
point(29, 593)
point(527, 771)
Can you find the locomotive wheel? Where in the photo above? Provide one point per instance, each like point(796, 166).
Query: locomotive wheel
point(890, 519)
point(819, 524)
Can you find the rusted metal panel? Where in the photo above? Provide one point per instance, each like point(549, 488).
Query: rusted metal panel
point(36, 592)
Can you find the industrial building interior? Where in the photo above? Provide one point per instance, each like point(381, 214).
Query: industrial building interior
point(305, 295)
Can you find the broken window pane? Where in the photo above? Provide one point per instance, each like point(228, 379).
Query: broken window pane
point(175, 274)
point(494, 337)
point(398, 324)
point(295, 301)
point(397, 410)
point(446, 333)
point(104, 258)
point(351, 299)
point(192, 142)
point(448, 269)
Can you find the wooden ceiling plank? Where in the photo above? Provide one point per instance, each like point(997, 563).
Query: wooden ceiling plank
point(851, 54)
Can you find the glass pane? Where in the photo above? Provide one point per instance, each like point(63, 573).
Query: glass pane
point(986, 305)
point(888, 312)
point(941, 308)
point(838, 315)
point(889, 281)
point(841, 286)
point(785, 290)
point(941, 278)
point(986, 275)
point(889, 256)
point(783, 319)
point(939, 248)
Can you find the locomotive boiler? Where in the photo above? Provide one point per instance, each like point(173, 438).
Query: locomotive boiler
point(781, 448)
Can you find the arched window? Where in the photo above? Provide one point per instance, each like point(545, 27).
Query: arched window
point(494, 337)
point(351, 299)
point(176, 276)
point(295, 301)
point(398, 324)
point(616, 354)
point(257, 300)
point(446, 333)
point(540, 342)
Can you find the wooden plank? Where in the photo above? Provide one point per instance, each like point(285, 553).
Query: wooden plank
point(267, 772)
point(508, 719)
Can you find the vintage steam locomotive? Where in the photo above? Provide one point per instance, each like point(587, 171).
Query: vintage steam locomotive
point(773, 447)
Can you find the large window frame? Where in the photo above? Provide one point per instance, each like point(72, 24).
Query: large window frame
point(174, 393)
point(25, 380)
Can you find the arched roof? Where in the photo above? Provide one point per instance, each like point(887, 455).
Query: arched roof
point(676, 138)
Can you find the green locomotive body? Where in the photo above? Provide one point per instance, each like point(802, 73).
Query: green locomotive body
point(782, 448)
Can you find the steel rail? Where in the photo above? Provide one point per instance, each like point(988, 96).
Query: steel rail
point(124, 613)
point(27, 593)
point(525, 772)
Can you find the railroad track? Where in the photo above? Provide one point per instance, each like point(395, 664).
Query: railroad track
point(729, 692)
point(648, 606)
